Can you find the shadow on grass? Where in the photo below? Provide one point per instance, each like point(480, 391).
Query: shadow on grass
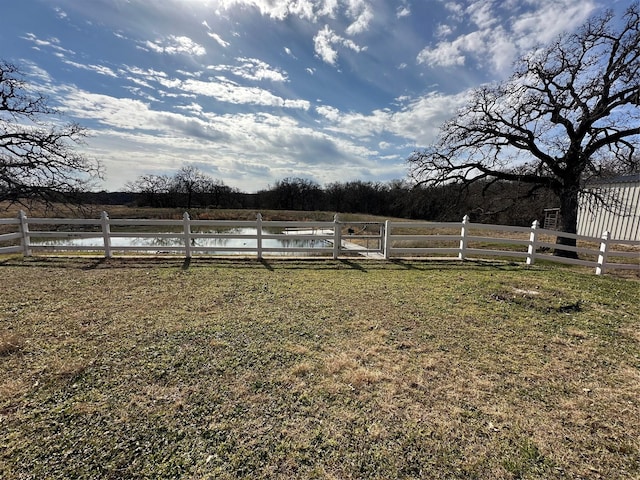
point(426, 264)
point(96, 264)
point(266, 264)
point(272, 264)
point(351, 264)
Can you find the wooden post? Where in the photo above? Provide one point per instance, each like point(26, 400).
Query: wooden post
point(602, 257)
point(24, 229)
point(259, 234)
point(386, 247)
point(337, 237)
point(106, 234)
point(463, 238)
point(187, 234)
point(532, 247)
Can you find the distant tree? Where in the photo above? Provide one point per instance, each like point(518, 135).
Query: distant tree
point(568, 111)
point(215, 193)
point(189, 187)
point(190, 182)
point(153, 188)
point(398, 193)
point(295, 193)
point(37, 158)
point(359, 197)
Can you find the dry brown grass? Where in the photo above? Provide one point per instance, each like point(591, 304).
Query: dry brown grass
point(10, 343)
point(316, 369)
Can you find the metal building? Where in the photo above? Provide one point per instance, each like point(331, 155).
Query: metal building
point(620, 213)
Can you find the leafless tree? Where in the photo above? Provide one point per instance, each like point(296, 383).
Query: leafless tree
point(568, 111)
point(153, 188)
point(189, 181)
point(37, 158)
point(188, 187)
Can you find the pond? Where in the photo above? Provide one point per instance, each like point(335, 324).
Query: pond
point(242, 239)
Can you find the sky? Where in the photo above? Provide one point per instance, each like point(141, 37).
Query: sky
point(255, 91)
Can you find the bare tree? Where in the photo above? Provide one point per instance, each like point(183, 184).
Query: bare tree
point(569, 111)
point(188, 187)
point(153, 188)
point(37, 158)
point(295, 193)
point(214, 192)
point(189, 181)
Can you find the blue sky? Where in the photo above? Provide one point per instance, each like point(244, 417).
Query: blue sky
point(254, 91)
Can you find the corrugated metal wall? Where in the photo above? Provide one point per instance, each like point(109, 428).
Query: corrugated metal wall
point(622, 222)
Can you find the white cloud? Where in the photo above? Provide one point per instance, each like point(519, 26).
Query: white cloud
point(482, 13)
point(418, 121)
point(220, 88)
point(499, 45)
point(444, 31)
point(218, 39)
point(330, 113)
point(361, 12)
point(303, 9)
point(100, 69)
point(123, 113)
point(148, 73)
point(174, 45)
point(502, 50)
point(253, 69)
point(403, 11)
point(60, 13)
point(325, 42)
point(456, 9)
point(310, 10)
point(445, 54)
point(550, 20)
point(53, 43)
point(230, 92)
point(328, 8)
point(278, 10)
point(421, 119)
point(328, 40)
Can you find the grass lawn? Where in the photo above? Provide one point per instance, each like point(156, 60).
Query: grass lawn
point(353, 369)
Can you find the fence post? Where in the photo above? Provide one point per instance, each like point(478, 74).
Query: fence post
point(24, 229)
point(259, 234)
point(386, 248)
point(337, 237)
point(602, 257)
point(106, 234)
point(187, 234)
point(463, 238)
point(531, 249)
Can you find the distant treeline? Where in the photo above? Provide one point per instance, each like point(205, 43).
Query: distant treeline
point(498, 202)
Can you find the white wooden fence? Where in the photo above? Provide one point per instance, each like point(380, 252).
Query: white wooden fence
point(385, 240)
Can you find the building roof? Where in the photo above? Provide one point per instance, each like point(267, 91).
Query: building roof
point(635, 178)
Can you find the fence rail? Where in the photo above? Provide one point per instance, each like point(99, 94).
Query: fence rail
point(258, 237)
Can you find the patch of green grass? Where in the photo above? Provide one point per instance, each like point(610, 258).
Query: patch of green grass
point(151, 368)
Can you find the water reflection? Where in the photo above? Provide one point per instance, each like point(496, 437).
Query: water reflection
point(242, 239)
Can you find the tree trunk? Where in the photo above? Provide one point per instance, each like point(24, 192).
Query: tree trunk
point(568, 221)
